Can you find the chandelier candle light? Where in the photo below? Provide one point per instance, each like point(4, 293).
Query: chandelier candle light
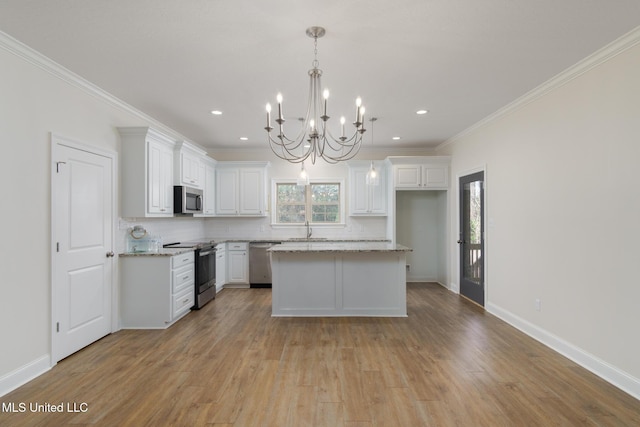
point(320, 142)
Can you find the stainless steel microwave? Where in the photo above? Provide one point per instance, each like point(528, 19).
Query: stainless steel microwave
point(186, 200)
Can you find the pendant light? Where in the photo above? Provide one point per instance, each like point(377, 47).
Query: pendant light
point(303, 176)
point(373, 177)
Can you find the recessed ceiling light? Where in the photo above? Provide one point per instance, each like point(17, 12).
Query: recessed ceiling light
point(395, 138)
point(216, 112)
point(421, 112)
point(244, 138)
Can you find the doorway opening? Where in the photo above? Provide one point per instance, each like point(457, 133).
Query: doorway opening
point(421, 224)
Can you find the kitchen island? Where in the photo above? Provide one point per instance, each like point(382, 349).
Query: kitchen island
point(321, 279)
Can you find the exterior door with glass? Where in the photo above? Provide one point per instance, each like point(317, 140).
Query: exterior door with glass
point(471, 239)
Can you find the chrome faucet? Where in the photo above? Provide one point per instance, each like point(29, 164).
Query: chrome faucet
point(309, 229)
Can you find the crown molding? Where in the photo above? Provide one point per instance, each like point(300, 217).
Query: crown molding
point(365, 152)
point(46, 64)
point(600, 56)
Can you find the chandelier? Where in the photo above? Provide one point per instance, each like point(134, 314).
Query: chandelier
point(315, 139)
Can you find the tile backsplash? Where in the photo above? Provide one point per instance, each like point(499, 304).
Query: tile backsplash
point(183, 229)
point(169, 229)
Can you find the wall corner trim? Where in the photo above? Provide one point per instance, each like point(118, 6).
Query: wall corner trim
point(46, 64)
point(24, 374)
point(599, 367)
point(600, 56)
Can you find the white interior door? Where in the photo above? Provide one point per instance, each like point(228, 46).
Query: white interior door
point(82, 231)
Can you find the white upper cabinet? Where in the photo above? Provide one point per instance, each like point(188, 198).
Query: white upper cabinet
point(252, 191)
point(366, 199)
point(189, 165)
point(435, 176)
point(408, 176)
point(226, 191)
point(209, 182)
point(426, 173)
point(160, 179)
point(241, 188)
point(146, 172)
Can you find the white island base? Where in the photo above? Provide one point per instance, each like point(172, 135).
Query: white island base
point(338, 283)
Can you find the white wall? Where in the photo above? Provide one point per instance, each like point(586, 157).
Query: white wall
point(34, 103)
point(421, 225)
point(442, 236)
point(262, 228)
point(563, 206)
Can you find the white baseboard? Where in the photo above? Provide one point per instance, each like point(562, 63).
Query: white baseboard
point(604, 370)
point(454, 287)
point(24, 374)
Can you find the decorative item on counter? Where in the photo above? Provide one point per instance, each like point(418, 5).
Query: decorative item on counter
point(139, 240)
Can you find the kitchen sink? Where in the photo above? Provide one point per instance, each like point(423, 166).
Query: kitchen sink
point(310, 239)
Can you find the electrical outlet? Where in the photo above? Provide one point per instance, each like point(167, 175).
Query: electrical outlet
point(538, 304)
point(408, 268)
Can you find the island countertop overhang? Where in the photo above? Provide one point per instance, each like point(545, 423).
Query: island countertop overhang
point(337, 247)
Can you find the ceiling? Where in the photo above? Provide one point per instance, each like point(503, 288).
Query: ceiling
point(177, 61)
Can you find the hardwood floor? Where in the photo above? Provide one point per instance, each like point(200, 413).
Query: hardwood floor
point(231, 364)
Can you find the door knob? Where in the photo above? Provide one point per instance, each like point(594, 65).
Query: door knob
point(460, 242)
point(110, 254)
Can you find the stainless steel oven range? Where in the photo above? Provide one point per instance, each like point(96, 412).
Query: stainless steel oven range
point(205, 268)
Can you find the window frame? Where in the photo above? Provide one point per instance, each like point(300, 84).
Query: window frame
point(308, 211)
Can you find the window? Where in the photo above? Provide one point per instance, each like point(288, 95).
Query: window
point(318, 203)
point(290, 204)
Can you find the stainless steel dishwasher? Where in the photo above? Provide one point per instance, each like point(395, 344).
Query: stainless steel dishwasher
point(260, 264)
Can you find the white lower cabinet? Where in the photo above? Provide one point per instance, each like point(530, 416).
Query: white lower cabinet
point(156, 290)
point(238, 265)
point(221, 266)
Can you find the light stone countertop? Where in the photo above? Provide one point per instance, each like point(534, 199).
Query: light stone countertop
point(341, 247)
point(161, 252)
point(287, 241)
